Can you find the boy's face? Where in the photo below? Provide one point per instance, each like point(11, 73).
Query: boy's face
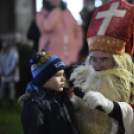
point(56, 82)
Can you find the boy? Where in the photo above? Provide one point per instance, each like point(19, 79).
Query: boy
point(9, 69)
point(47, 108)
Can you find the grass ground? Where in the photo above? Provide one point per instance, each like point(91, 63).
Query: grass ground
point(10, 122)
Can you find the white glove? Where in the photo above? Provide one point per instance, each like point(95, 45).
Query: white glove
point(94, 99)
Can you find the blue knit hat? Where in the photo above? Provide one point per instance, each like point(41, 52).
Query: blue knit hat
point(44, 65)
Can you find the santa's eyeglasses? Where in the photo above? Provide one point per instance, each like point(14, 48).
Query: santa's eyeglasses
point(102, 61)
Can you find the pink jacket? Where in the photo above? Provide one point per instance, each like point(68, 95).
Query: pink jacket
point(60, 34)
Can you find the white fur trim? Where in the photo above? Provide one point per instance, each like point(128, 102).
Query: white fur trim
point(23, 98)
point(127, 117)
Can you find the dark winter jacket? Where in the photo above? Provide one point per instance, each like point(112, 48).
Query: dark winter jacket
point(48, 112)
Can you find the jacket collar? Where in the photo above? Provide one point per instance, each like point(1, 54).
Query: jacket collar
point(34, 90)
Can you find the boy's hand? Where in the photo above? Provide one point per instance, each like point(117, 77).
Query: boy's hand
point(94, 99)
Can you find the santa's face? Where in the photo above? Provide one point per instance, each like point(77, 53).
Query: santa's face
point(56, 82)
point(101, 60)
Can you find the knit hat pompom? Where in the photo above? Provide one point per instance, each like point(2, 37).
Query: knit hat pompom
point(44, 65)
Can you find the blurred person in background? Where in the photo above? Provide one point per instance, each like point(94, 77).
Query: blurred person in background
point(0, 43)
point(59, 33)
point(86, 15)
point(34, 35)
point(9, 70)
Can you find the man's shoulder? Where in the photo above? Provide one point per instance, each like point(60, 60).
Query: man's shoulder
point(37, 101)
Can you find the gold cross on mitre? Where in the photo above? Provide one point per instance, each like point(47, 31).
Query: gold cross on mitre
point(107, 15)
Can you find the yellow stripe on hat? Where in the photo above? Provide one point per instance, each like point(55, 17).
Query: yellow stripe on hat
point(107, 44)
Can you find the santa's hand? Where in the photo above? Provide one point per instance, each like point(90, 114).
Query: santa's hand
point(94, 99)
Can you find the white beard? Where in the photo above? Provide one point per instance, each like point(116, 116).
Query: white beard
point(111, 85)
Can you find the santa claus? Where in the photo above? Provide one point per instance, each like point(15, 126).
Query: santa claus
point(107, 76)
